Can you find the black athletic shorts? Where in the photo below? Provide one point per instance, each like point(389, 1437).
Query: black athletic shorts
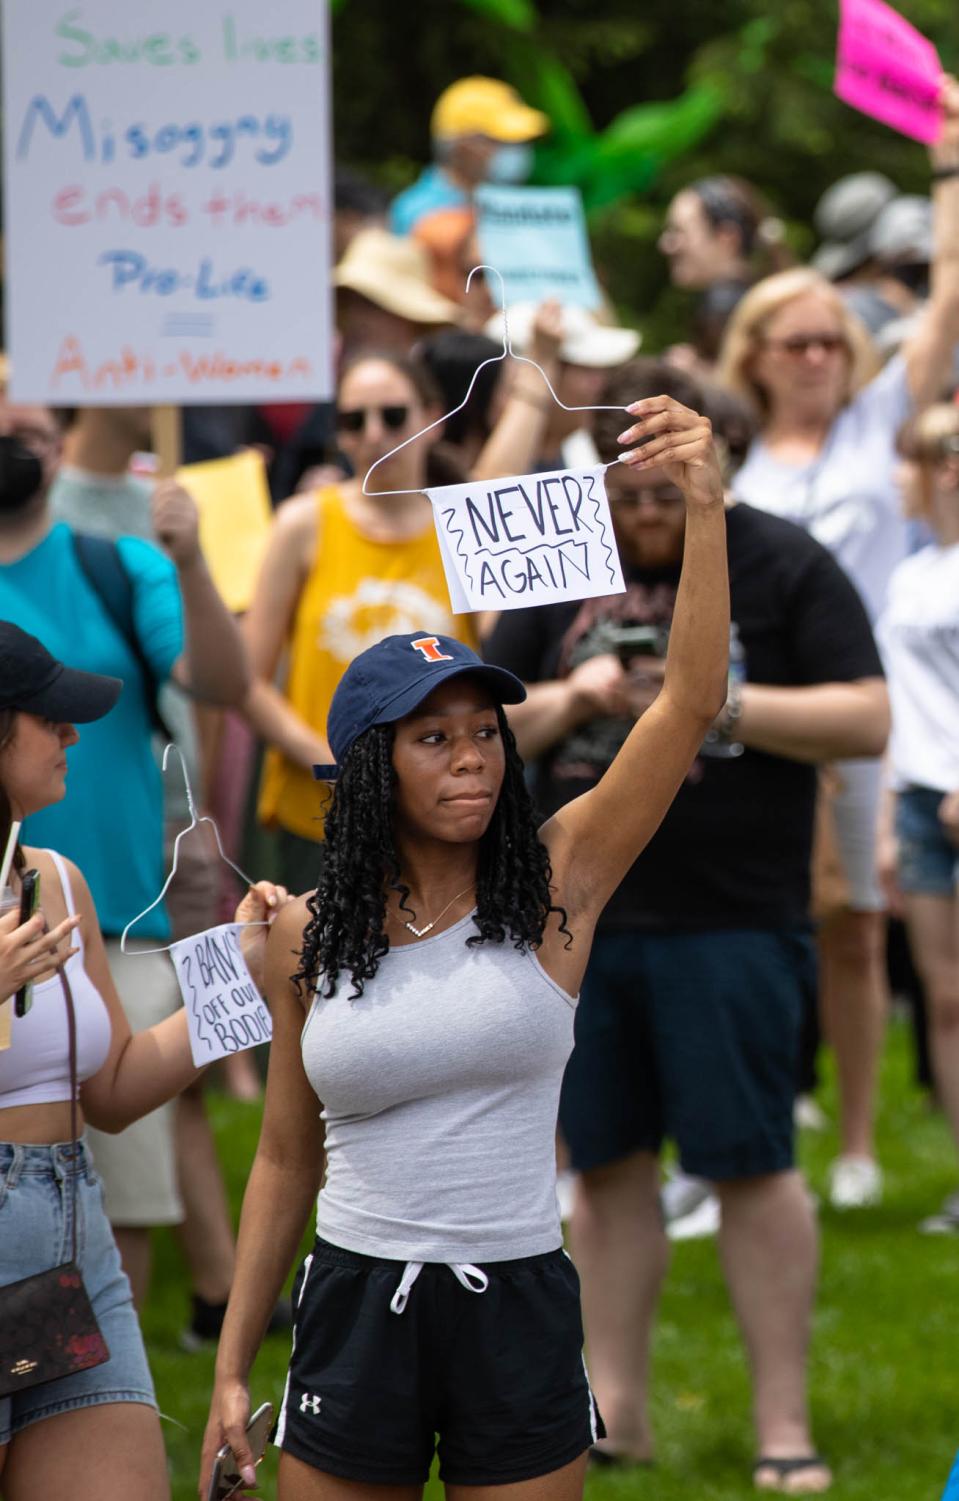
point(495, 1380)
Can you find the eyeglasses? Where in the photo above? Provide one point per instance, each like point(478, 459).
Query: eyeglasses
point(354, 419)
point(797, 346)
point(663, 498)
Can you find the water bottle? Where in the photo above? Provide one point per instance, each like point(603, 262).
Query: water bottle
point(714, 745)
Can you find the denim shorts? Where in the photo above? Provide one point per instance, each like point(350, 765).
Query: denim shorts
point(34, 1236)
point(928, 859)
point(692, 1036)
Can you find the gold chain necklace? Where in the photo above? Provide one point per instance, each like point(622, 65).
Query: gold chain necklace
point(422, 932)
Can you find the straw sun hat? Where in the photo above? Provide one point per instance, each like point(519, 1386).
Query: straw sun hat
point(393, 273)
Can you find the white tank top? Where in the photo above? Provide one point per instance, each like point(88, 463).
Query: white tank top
point(440, 1089)
point(35, 1069)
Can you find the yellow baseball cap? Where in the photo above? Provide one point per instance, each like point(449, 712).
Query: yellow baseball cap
point(488, 107)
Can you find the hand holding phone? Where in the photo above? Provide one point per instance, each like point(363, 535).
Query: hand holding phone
point(225, 1479)
point(29, 901)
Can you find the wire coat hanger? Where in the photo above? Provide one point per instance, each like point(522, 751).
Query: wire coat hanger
point(508, 352)
point(193, 824)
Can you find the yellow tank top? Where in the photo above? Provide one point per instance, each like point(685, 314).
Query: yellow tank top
point(358, 591)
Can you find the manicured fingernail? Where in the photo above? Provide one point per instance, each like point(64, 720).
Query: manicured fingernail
point(626, 458)
point(249, 1475)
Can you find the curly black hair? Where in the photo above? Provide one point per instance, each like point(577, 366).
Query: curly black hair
point(348, 908)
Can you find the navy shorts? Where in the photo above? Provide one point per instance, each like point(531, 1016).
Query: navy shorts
point(498, 1375)
point(692, 1036)
point(928, 861)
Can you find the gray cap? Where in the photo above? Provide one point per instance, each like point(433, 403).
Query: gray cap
point(844, 216)
point(902, 234)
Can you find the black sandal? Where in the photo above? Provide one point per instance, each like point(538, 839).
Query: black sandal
point(784, 1469)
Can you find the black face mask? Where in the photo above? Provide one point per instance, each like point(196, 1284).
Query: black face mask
point(21, 475)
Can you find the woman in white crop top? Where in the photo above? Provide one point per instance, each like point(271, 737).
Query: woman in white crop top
point(94, 1435)
point(431, 1011)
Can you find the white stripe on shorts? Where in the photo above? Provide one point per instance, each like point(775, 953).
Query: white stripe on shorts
point(593, 1430)
point(281, 1423)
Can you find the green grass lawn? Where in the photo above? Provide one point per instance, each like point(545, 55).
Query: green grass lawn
point(885, 1366)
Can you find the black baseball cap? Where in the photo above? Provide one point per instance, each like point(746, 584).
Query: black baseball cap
point(388, 680)
point(34, 681)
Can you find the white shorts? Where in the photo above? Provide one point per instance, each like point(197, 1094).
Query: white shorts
point(138, 1166)
point(855, 813)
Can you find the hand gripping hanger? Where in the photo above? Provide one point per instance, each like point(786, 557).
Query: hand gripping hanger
point(193, 824)
point(508, 352)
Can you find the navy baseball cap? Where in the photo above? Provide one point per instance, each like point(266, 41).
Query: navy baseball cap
point(388, 680)
point(34, 681)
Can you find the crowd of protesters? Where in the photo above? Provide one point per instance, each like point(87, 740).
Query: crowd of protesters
point(739, 904)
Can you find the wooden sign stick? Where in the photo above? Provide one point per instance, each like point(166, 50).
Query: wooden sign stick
point(167, 428)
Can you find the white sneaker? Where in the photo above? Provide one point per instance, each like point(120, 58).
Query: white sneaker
point(808, 1115)
point(855, 1183)
point(681, 1194)
point(699, 1222)
point(946, 1222)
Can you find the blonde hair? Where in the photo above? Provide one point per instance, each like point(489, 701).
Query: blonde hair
point(932, 435)
point(762, 302)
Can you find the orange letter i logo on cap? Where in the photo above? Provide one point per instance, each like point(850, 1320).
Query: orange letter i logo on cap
point(430, 647)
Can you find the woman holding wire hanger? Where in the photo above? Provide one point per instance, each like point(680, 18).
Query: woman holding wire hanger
point(93, 1434)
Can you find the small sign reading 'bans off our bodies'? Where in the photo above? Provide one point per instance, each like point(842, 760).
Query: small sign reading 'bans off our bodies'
point(533, 539)
point(225, 1011)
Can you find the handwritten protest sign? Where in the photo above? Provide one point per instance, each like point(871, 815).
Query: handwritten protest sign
point(536, 238)
point(167, 201)
point(233, 499)
point(887, 69)
point(224, 1010)
point(534, 539)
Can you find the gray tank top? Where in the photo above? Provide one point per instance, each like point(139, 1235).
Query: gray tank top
point(440, 1090)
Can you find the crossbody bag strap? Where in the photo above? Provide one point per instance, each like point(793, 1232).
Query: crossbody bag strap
point(72, 1034)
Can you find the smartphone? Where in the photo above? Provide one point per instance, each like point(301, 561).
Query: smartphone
point(29, 901)
point(226, 1480)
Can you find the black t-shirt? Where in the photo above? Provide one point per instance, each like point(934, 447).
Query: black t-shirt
point(733, 850)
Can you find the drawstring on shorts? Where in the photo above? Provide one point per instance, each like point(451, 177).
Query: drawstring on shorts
point(473, 1278)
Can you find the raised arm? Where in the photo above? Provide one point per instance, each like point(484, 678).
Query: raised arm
point(284, 1181)
point(594, 839)
point(517, 439)
point(213, 667)
point(929, 353)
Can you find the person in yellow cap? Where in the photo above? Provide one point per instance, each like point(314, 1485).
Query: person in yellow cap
point(481, 132)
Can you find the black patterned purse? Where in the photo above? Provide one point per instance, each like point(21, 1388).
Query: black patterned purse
point(48, 1329)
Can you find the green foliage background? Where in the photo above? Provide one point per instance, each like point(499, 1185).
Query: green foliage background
point(643, 97)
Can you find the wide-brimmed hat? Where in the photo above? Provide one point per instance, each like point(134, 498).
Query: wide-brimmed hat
point(35, 682)
point(487, 107)
point(392, 678)
point(586, 341)
point(844, 217)
point(394, 273)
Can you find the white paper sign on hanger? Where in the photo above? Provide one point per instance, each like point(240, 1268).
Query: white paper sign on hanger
point(224, 1010)
point(533, 539)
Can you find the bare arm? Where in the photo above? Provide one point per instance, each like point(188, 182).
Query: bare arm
point(286, 565)
point(929, 353)
point(517, 439)
point(213, 666)
point(596, 838)
point(824, 722)
point(282, 1186)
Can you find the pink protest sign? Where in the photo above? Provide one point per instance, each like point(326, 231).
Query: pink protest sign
point(888, 69)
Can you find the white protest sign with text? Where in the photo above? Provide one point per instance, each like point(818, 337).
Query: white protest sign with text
point(224, 1010)
point(534, 539)
point(167, 201)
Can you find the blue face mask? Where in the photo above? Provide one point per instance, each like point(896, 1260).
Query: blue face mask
point(510, 163)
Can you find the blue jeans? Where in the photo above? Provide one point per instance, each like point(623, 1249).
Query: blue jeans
point(35, 1234)
point(928, 859)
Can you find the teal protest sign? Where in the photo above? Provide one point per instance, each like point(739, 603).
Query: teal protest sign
point(536, 238)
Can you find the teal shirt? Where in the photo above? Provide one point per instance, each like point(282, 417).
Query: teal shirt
point(431, 191)
point(111, 821)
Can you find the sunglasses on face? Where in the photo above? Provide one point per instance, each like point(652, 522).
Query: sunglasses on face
point(354, 419)
point(663, 498)
point(797, 346)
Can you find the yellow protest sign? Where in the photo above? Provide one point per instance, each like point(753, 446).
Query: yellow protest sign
point(233, 499)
